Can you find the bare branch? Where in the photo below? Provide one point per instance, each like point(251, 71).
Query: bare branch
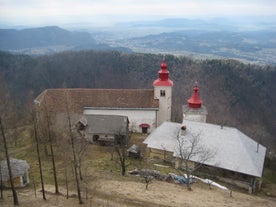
point(192, 155)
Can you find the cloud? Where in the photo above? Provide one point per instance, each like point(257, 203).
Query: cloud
point(68, 10)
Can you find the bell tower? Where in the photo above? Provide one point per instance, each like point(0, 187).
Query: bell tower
point(194, 110)
point(163, 92)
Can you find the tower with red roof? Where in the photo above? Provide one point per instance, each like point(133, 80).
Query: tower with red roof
point(194, 110)
point(163, 92)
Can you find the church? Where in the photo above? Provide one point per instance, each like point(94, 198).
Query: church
point(237, 157)
point(146, 109)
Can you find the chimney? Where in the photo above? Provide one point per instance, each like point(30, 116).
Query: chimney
point(183, 130)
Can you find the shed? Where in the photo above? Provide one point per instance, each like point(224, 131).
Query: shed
point(105, 128)
point(134, 151)
point(19, 170)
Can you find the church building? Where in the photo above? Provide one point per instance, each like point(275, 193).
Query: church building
point(235, 155)
point(146, 109)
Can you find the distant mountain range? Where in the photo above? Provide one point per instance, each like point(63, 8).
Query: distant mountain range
point(50, 39)
point(248, 39)
point(249, 46)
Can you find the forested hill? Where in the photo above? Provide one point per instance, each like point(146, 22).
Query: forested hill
point(47, 40)
point(235, 94)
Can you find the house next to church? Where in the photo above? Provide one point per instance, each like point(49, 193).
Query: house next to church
point(145, 108)
point(236, 158)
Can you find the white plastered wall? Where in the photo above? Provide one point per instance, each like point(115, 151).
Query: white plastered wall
point(165, 103)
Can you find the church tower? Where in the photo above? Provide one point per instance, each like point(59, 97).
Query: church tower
point(163, 92)
point(194, 110)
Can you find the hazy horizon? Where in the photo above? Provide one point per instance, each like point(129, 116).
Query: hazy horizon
point(109, 12)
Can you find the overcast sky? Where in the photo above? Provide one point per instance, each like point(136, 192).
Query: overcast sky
point(55, 12)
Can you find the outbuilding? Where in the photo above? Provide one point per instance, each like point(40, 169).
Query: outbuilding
point(104, 129)
point(19, 170)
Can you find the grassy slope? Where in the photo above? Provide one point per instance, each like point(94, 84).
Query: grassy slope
point(99, 172)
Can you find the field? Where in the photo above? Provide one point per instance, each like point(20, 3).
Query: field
point(104, 186)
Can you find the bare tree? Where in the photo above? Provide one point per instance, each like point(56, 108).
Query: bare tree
point(192, 155)
point(73, 146)
point(120, 148)
point(31, 115)
point(1, 183)
point(5, 115)
point(121, 151)
point(80, 148)
point(50, 139)
point(15, 198)
point(38, 153)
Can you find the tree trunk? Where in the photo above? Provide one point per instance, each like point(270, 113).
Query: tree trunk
point(38, 156)
point(46, 150)
point(188, 182)
point(15, 198)
point(78, 184)
point(123, 170)
point(80, 171)
point(121, 152)
point(66, 183)
point(1, 183)
point(147, 184)
point(54, 166)
point(52, 152)
point(75, 159)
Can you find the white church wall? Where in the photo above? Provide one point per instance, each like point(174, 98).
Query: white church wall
point(135, 117)
point(165, 103)
point(195, 117)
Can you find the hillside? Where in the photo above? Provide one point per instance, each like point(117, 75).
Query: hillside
point(235, 94)
point(111, 191)
point(103, 186)
point(45, 40)
point(249, 46)
point(217, 38)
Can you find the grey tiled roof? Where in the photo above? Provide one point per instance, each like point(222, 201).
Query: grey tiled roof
point(233, 149)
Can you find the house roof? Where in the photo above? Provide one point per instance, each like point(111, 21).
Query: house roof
point(78, 98)
point(164, 137)
point(232, 149)
point(18, 168)
point(106, 124)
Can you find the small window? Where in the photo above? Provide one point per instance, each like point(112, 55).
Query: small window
point(162, 93)
point(95, 137)
point(144, 130)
